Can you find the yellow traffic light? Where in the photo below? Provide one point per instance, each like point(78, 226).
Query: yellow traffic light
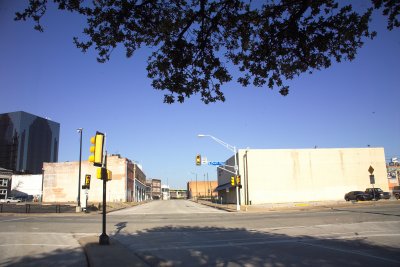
point(232, 180)
point(238, 180)
point(198, 160)
point(109, 175)
point(104, 173)
point(97, 149)
point(87, 181)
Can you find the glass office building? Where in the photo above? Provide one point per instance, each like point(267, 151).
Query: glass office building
point(26, 141)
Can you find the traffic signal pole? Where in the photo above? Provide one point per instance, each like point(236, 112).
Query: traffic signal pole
point(104, 239)
point(233, 149)
point(99, 159)
point(236, 175)
point(80, 163)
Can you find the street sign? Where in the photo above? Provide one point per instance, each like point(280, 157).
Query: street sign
point(371, 170)
point(216, 163)
point(372, 179)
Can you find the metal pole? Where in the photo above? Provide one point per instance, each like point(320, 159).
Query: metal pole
point(232, 148)
point(204, 184)
point(80, 163)
point(104, 239)
point(197, 192)
point(236, 175)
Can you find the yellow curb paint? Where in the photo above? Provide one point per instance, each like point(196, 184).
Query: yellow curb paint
point(302, 205)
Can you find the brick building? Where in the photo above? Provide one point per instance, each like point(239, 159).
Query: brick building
point(201, 189)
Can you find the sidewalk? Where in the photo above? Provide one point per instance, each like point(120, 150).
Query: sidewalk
point(114, 254)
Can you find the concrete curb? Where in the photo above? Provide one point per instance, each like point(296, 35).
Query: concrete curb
point(275, 207)
point(114, 254)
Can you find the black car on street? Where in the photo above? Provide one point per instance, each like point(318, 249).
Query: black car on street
point(377, 193)
point(357, 196)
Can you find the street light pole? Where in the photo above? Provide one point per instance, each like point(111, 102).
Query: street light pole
point(80, 163)
point(233, 149)
point(197, 192)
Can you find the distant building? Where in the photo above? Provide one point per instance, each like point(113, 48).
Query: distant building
point(155, 189)
point(393, 173)
point(60, 181)
point(5, 183)
point(148, 189)
point(178, 193)
point(26, 141)
point(202, 189)
point(165, 195)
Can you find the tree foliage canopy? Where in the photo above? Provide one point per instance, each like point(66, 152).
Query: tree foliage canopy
point(196, 42)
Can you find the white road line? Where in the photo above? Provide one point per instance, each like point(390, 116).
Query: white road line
point(49, 233)
point(214, 245)
point(253, 241)
point(41, 245)
point(371, 235)
point(320, 225)
point(350, 252)
point(11, 220)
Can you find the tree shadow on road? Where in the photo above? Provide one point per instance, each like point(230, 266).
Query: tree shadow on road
point(214, 246)
point(222, 247)
point(73, 257)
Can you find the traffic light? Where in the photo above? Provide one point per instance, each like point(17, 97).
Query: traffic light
point(87, 181)
point(198, 160)
point(104, 173)
point(238, 180)
point(233, 180)
point(97, 149)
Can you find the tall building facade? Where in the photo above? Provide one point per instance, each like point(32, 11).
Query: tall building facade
point(26, 141)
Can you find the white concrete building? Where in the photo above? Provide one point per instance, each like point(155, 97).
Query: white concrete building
point(302, 175)
point(60, 181)
point(165, 195)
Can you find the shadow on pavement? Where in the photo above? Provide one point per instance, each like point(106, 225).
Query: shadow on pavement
point(217, 246)
point(120, 226)
point(58, 257)
point(213, 246)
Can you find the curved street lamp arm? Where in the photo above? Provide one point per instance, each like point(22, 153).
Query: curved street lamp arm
point(228, 146)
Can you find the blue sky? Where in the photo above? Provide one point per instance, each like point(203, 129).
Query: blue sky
point(351, 104)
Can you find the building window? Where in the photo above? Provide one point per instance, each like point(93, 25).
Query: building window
point(3, 182)
point(3, 193)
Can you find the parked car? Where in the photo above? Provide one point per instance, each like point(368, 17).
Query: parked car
point(25, 198)
point(10, 200)
point(357, 196)
point(377, 193)
point(396, 192)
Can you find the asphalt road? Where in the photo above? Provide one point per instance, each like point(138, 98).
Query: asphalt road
point(184, 233)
